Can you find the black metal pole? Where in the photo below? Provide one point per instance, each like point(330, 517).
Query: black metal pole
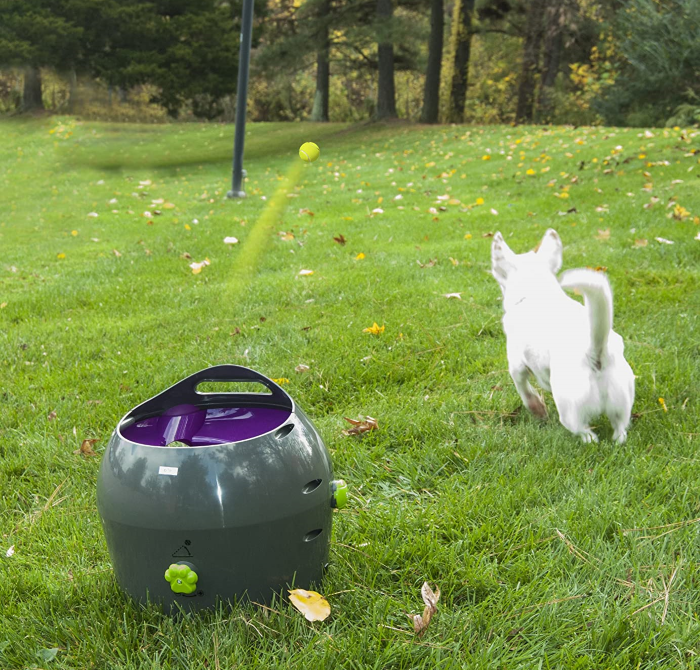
point(242, 100)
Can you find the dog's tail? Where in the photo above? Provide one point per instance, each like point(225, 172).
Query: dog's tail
point(597, 297)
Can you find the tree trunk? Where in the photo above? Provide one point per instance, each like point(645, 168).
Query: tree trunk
point(531, 61)
point(386, 91)
point(31, 97)
point(431, 93)
point(553, 40)
point(72, 91)
point(462, 44)
point(320, 109)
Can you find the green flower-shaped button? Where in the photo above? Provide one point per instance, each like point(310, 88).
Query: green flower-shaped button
point(182, 578)
point(339, 491)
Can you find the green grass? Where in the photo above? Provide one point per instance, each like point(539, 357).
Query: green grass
point(524, 529)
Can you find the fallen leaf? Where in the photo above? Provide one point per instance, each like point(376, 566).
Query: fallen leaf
point(374, 329)
point(663, 240)
point(311, 604)
point(60, 256)
point(494, 212)
point(302, 368)
point(603, 234)
point(430, 598)
point(230, 240)
point(306, 211)
point(452, 295)
point(305, 273)
point(116, 253)
point(281, 380)
point(197, 267)
point(359, 256)
point(489, 234)
point(287, 237)
point(360, 426)
point(662, 402)
point(86, 448)
point(52, 415)
point(10, 552)
point(640, 243)
point(340, 240)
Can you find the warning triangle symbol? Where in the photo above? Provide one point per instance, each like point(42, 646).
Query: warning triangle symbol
point(181, 552)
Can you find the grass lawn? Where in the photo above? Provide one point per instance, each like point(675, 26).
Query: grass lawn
point(549, 553)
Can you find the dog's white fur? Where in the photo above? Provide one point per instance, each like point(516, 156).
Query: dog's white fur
point(569, 348)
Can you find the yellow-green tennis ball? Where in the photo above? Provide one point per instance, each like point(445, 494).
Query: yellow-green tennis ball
point(309, 152)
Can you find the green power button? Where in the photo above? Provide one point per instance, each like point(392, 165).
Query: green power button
point(182, 578)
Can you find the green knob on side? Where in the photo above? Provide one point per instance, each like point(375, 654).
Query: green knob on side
point(339, 493)
point(182, 578)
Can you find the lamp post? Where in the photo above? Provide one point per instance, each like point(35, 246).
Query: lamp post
point(241, 101)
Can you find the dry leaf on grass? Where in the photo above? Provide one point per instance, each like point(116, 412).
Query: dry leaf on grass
point(603, 234)
point(430, 598)
point(52, 415)
point(374, 329)
point(86, 448)
point(359, 426)
point(640, 243)
point(312, 605)
point(452, 295)
point(340, 240)
point(302, 368)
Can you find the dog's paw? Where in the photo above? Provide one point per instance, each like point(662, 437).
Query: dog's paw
point(588, 437)
point(620, 436)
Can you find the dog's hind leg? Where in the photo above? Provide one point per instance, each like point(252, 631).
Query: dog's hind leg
point(521, 379)
point(574, 423)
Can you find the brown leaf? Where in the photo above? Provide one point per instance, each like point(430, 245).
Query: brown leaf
point(86, 448)
point(52, 415)
point(489, 234)
point(640, 243)
point(603, 235)
point(302, 368)
point(360, 426)
point(340, 240)
point(430, 598)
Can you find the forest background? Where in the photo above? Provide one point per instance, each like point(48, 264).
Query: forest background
point(579, 62)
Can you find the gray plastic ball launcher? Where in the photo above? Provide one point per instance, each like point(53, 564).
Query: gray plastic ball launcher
point(209, 497)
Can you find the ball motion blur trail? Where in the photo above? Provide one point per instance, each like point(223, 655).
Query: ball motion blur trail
point(259, 235)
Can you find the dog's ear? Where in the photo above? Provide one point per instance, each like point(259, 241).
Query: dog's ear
point(550, 250)
point(502, 259)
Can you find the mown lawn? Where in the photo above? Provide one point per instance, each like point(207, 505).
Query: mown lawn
point(549, 553)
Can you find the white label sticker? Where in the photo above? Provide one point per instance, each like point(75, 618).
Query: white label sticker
point(165, 470)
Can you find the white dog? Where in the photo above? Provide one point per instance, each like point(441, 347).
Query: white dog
point(570, 348)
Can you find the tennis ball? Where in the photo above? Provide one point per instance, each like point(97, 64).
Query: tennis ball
point(309, 152)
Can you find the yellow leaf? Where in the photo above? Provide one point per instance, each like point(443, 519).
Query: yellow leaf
point(3, 305)
point(281, 380)
point(60, 256)
point(380, 200)
point(486, 157)
point(453, 201)
point(431, 164)
point(312, 605)
point(468, 236)
point(359, 256)
point(168, 205)
point(287, 237)
point(530, 172)
point(662, 402)
point(374, 329)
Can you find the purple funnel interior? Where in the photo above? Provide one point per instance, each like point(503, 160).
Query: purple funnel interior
point(202, 427)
